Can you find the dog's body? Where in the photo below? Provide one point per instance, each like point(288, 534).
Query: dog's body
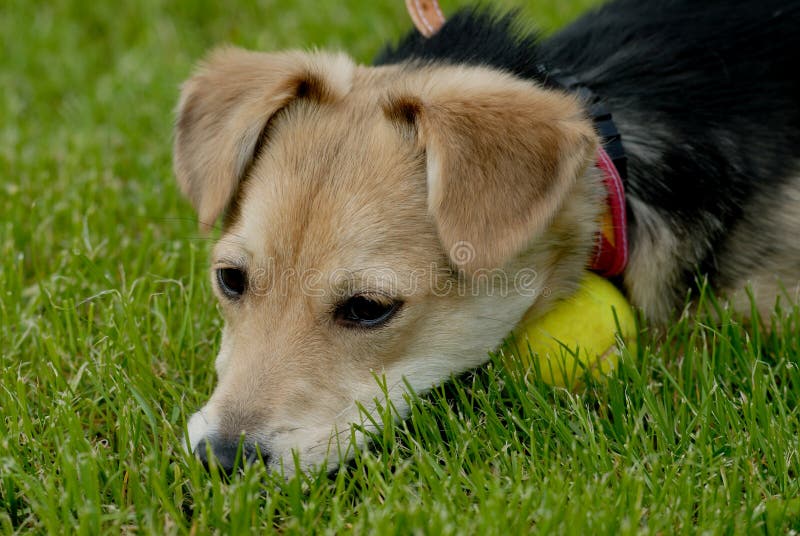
point(365, 205)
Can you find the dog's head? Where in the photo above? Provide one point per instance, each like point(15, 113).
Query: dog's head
point(381, 223)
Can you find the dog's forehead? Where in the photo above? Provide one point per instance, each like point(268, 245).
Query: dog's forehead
point(335, 186)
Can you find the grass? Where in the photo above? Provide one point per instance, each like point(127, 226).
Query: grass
point(108, 333)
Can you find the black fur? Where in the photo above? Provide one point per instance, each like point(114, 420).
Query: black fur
point(476, 37)
point(706, 92)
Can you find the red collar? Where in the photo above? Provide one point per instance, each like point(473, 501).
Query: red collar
point(611, 243)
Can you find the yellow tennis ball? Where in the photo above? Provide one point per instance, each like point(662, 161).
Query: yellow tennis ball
point(582, 325)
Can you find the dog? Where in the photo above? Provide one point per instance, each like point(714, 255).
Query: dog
point(374, 216)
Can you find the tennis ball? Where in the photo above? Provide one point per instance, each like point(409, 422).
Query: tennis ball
point(578, 336)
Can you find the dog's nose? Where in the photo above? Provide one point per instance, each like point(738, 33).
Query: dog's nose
point(229, 456)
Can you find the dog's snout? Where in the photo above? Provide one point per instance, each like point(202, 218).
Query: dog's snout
point(228, 455)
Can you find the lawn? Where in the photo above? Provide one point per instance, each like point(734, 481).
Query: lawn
point(108, 332)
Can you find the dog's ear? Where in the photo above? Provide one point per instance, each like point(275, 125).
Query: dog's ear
point(502, 155)
point(224, 110)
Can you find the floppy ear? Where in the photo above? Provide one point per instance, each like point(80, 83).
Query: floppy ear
point(224, 110)
point(502, 155)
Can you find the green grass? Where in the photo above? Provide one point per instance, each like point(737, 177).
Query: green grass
point(108, 332)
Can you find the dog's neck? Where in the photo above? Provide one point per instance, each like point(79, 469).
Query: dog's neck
point(610, 255)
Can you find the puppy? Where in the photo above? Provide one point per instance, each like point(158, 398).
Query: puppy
point(393, 222)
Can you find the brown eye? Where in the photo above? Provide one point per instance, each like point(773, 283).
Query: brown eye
point(232, 282)
point(364, 312)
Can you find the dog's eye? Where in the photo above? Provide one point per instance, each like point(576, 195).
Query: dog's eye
point(232, 282)
point(364, 312)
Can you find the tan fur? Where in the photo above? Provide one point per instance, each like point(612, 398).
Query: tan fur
point(653, 269)
point(772, 221)
point(368, 191)
point(488, 186)
point(225, 106)
point(761, 294)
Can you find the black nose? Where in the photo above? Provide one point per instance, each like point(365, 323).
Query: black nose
point(228, 455)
